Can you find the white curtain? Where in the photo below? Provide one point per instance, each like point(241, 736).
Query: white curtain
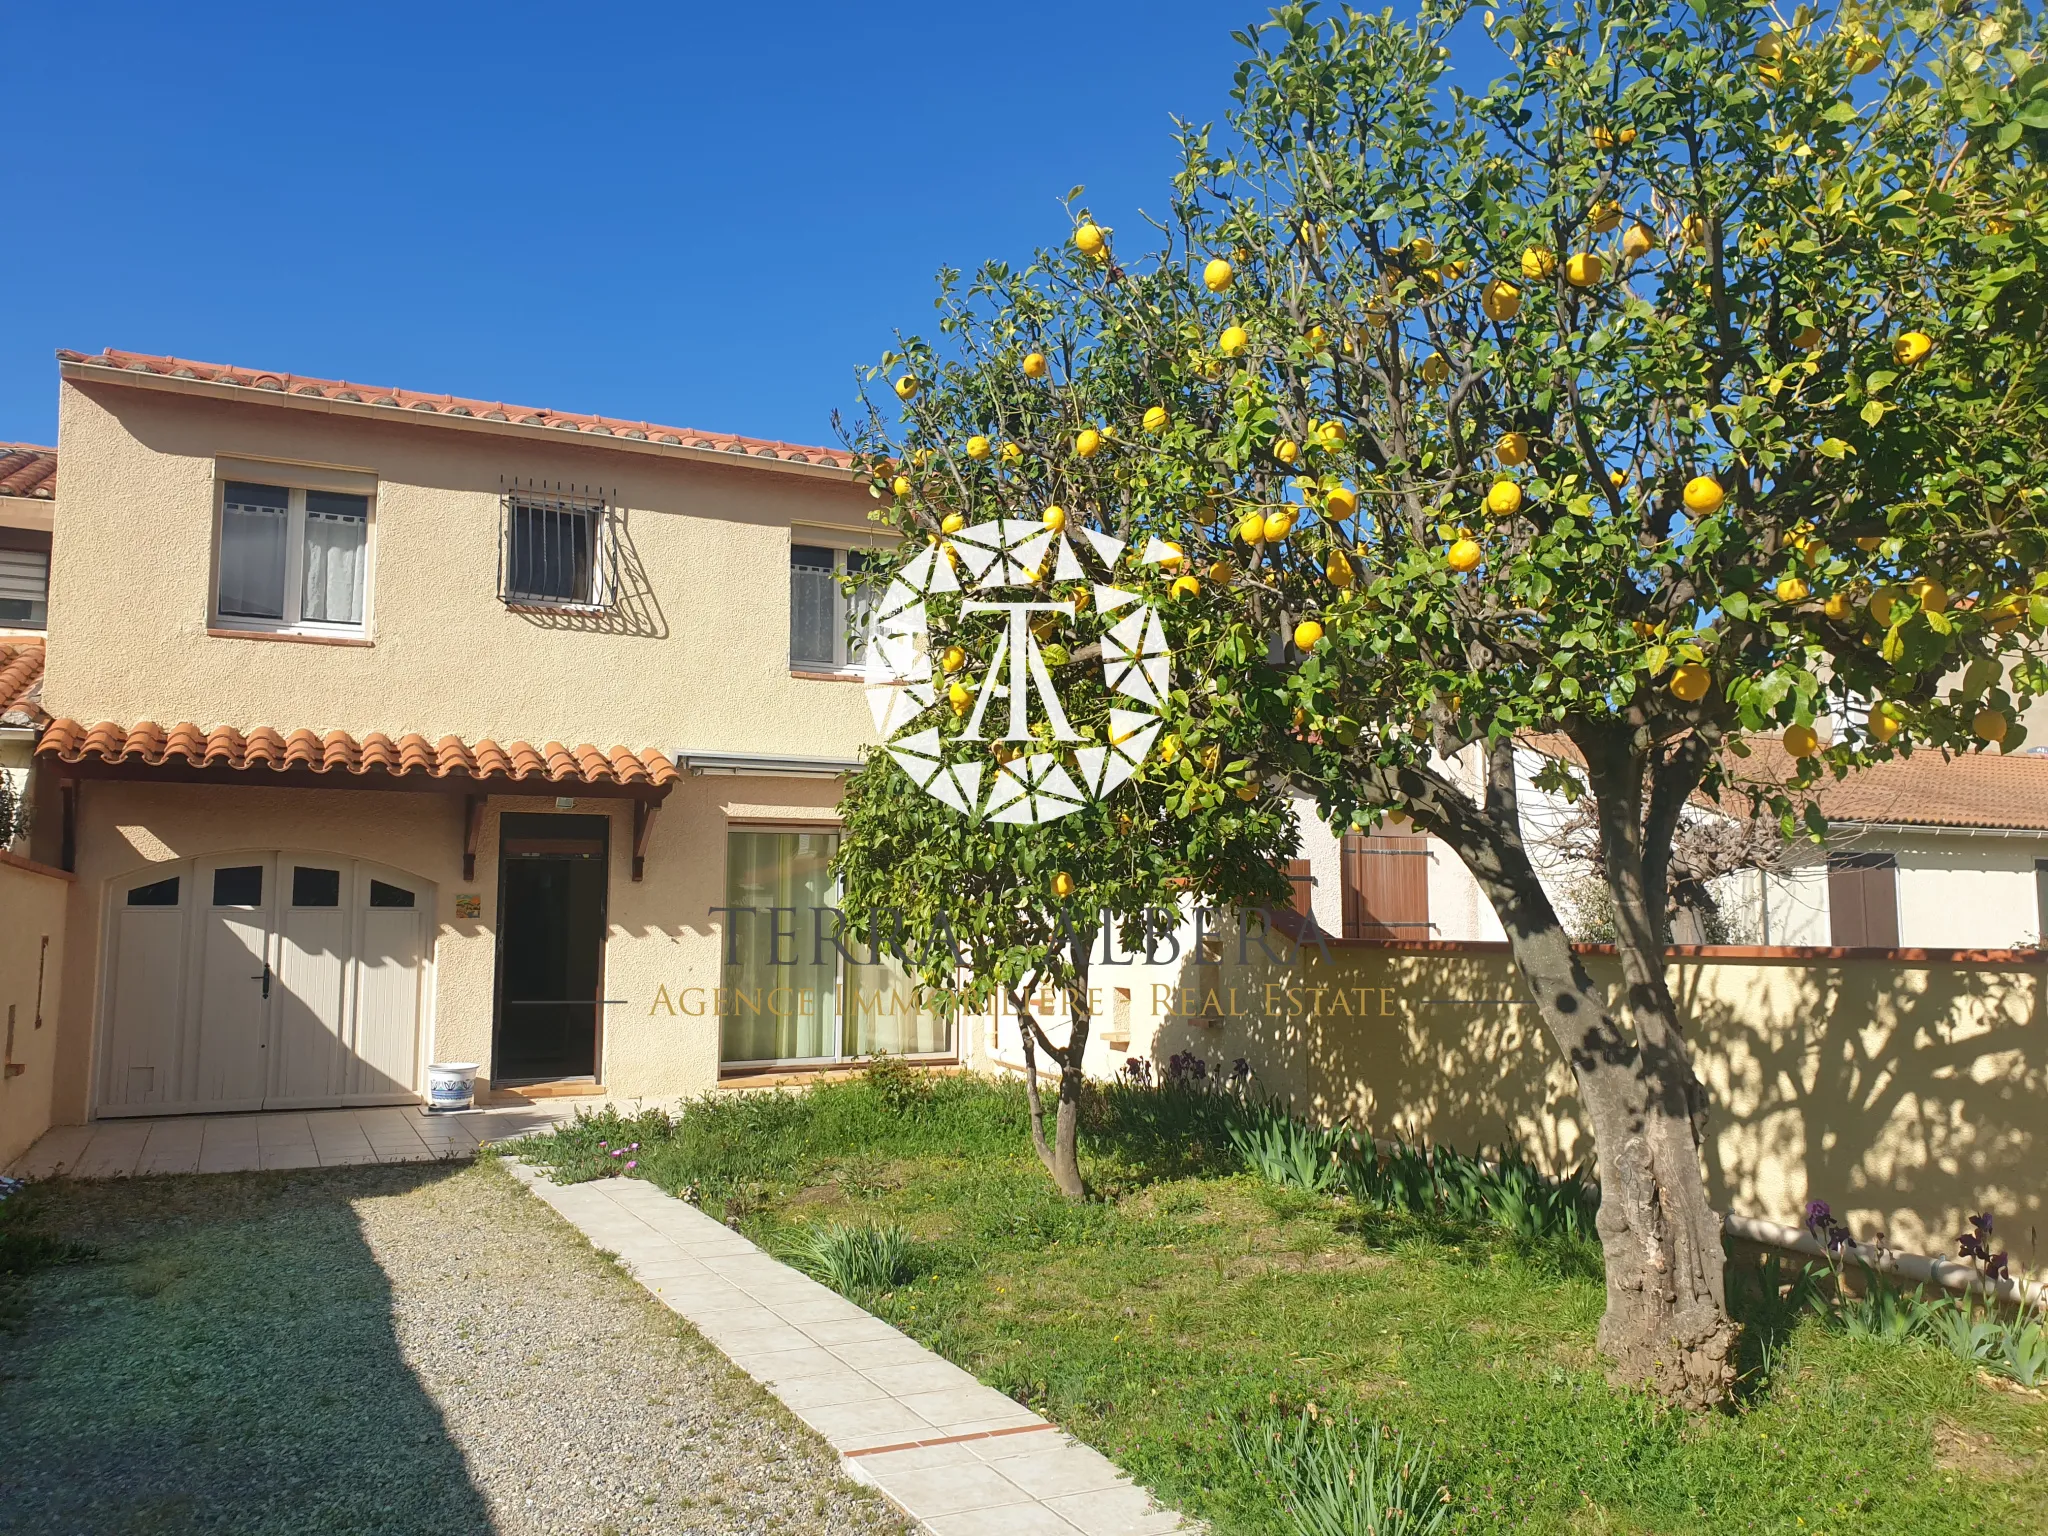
point(252, 560)
point(336, 547)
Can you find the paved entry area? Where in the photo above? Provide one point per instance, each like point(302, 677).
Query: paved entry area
point(961, 1457)
point(314, 1138)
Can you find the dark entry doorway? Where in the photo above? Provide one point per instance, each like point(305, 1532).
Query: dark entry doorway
point(551, 900)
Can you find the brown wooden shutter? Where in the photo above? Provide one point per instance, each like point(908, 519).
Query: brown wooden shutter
point(1386, 885)
point(1863, 900)
point(1304, 885)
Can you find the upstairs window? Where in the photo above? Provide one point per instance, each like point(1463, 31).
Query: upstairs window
point(25, 588)
point(555, 551)
point(826, 626)
point(292, 558)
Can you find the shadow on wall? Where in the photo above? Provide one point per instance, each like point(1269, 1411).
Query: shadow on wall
point(225, 1366)
point(1907, 1094)
point(631, 608)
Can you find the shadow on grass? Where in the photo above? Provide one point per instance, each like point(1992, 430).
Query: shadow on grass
point(224, 1361)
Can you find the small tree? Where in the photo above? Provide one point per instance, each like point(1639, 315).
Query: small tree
point(986, 914)
point(1681, 383)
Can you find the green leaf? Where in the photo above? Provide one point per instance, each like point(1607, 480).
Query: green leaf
point(1873, 413)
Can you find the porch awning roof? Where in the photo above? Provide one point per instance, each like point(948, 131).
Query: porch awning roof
point(338, 760)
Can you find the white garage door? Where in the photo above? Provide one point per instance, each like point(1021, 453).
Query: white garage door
point(263, 981)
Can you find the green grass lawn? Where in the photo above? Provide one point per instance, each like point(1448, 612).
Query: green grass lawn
point(1189, 1298)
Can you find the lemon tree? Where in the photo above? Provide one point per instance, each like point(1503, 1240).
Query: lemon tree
point(1670, 379)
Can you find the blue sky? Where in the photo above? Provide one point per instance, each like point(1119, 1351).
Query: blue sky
point(697, 216)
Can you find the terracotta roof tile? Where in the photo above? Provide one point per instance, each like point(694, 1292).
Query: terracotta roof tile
point(21, 684)
point(2007, 791)
point(337, 752)
point(450, 405)
point(26, 470)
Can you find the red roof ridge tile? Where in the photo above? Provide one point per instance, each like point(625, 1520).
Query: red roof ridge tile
point(28, 469)
point(456, 405)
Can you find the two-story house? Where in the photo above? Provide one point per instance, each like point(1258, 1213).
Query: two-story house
point(391, 728)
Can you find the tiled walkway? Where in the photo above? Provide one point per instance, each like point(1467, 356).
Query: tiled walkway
point(315, 1138)
point(960, 1457)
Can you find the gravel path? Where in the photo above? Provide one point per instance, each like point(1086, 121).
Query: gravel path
point(415, 1350)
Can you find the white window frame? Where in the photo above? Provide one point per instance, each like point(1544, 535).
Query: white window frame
point(294, 562)
point(843, 660)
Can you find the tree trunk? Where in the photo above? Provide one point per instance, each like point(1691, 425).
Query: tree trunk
point(1062, 1154)
point(1666, 1326)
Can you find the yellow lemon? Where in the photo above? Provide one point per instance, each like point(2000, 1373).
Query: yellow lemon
point(1253, 529)
point(1617, 478)
point(1054, 518)
point(1991, 725)
point(1286, 450)
point(1222, 572)
point(1840, 606)
point(1932, 594)
point(901, 485)
point(1911, 347)
point(1063, 885)
point(1341, 502)
point(1637, 242)
point(906, 387)
point(1435, 369)
point(1464, 554)
point(1538, 264)
point(1172, 557)
point(1034, 365)
point(1278, 526)
point(1087, 441)
point(1584, 269)
point(1800, 741)
point(1308, 634)
point(1421, 250)
point(1505, 499)
point(1169, 749)
point(1332, 435)
point(953, 523)
point(1501, 301)
point(1606, 138)
point(1217, 276)
point(977, 447)
point(1012, 454)
point(1156, 419)
point(1338, 569)
point(1882, 602)
point(1317, 338)
point(1868, 542)
point(1808, 339)
point(1605, 216)
point(1185, 586)
point(1882, 724)
point(1512, 449)
point(959, 698)
point(1089, 241)
point(952, 659)
point(1791, 590)
point(1692, 230)
point(1703, 495)
point(1691, 681)
point(1232, 341)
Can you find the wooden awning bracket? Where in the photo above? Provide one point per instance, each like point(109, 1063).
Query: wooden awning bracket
point(643, 829)
point(472, 830)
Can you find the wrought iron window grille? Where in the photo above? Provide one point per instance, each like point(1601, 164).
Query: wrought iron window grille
point(558, 547)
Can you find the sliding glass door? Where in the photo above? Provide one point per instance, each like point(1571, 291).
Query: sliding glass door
point(788, 994)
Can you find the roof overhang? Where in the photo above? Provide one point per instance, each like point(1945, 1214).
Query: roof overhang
point(96, 371)
point(1927, 829)
point(766, 765)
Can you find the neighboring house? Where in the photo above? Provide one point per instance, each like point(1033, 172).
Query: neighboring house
point(28, 506)
point(393, 727)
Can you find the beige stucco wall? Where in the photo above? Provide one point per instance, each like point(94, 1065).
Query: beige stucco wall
point(660, 933)
point(1908, 1094)
point(697, 658)
point(32, 909)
